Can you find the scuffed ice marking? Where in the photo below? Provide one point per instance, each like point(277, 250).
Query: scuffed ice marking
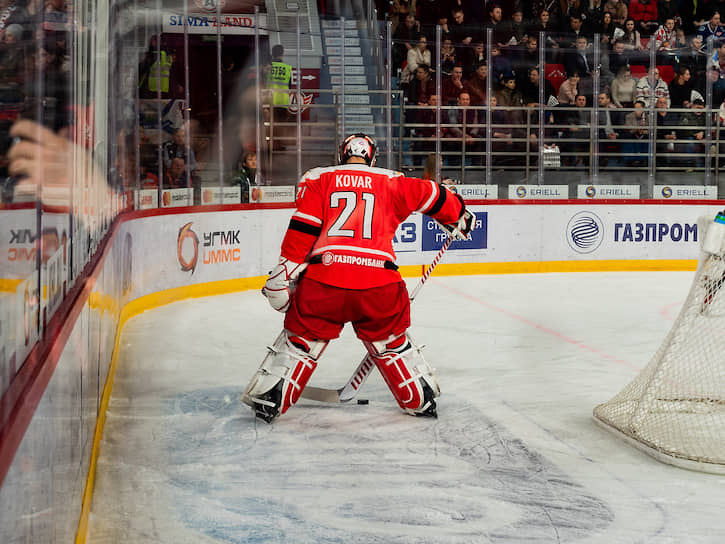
point(346, 473)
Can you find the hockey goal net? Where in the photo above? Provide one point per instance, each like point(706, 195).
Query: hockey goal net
point(675, 408)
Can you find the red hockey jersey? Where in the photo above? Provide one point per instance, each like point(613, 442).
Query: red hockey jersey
point(346, 219)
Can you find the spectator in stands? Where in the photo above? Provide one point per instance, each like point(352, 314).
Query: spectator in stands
point(16, 12)
point(501, 133)
point(175, 176)
point(578, 60)
point(421, 87)
point(461, 32)
point(649, 88)
point(449, 58)
point(500, 64)
point(666, 123)
point(510, 96)
point(637, 127)
point(12, 64)
point(416, 56)
point(574, 30)
point(158, 72)
point(542, 23)
point(623, 88)
point(617, 57)
point(403, 40)
point(665, 36)
point(644, 12)
point(462, 134)
point(569, 89)
point(452, 86)
point(618, 9)
point(176, 147)
point(515, 30)
point(531, 90)
point(525, 58)
point(477, 86)
point(606, 29)
point(718, 54)
point(680, 88)
point(694, 121)
point(607, 134)
point(577, 128)
point(553, 13)
point(716, 75)
point(473, 57)
point(631, 38)
point(592, 14)
point(496, 24)
point(711, 28)
point(246, 174)
point(695, 59)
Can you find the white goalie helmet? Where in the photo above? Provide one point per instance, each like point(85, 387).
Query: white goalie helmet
point(358, 145)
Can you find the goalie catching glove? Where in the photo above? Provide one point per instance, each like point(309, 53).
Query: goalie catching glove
point(280, 284)
point(461, 228)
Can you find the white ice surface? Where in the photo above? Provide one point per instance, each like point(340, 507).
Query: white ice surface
point(513, 457)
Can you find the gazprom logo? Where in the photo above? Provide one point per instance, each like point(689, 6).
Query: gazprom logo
point(667, 191)
point(585, 232)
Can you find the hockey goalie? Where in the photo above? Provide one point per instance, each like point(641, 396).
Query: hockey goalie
point(337, 265)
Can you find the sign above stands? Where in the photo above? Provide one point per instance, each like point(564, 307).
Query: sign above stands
point(238, 24)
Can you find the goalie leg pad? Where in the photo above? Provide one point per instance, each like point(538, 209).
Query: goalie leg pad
point(407, 374)
point(283, 375)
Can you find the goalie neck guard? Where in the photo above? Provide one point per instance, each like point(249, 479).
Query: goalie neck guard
point(358, 145)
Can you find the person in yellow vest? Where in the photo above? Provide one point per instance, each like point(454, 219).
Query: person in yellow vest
point(279, 81)
point(155, 73)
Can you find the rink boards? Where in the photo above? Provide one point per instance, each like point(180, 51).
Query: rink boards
point(155, 257)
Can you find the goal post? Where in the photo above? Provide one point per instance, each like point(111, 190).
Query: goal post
point(674, 409)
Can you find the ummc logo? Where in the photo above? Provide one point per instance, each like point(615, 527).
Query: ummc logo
point(521, 191)
point(187, 237)
point(585, 232)
point(667, 192)
point(591, 191)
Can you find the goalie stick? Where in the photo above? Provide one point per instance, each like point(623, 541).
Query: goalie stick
point(350, 390)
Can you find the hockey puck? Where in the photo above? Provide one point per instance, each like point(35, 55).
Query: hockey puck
point(363, 401)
